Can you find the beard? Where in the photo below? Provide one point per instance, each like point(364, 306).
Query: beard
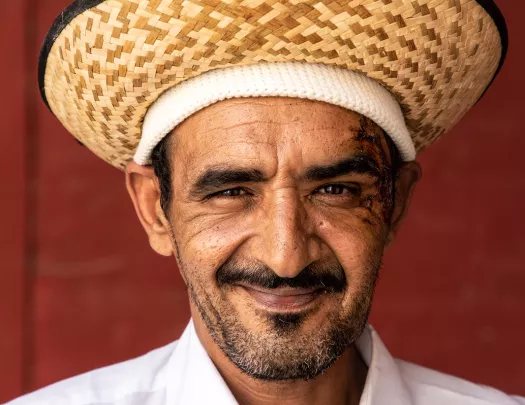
point(284, 350)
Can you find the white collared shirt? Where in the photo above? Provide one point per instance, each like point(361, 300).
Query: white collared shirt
point(182, 373)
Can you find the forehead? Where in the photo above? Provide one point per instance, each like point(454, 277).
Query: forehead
point(296, 130)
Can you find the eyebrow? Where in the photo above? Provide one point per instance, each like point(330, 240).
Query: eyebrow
point(360, 164)
point(217, 178)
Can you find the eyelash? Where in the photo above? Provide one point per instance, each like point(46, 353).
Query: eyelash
point(221, 193)
point(352, 190)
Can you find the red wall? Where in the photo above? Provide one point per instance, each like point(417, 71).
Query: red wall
point(80, 287)
point(13, 195)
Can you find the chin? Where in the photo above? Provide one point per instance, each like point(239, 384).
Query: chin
point(298, 346)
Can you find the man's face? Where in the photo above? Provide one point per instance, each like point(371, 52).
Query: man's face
point(280, 213)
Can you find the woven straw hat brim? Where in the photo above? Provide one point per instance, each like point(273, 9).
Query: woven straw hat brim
point(104, 63)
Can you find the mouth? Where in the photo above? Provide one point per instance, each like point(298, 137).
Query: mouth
point(284, 299)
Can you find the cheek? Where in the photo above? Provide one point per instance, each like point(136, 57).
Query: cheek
point(205, 242)
point(357, 245)
point(379, 206)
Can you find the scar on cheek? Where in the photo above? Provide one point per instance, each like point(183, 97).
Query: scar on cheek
point(368, 201)
point(366, 218)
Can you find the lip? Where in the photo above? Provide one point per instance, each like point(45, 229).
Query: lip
point(283, 299)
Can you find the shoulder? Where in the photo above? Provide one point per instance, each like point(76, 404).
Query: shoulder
point(135, 381)
point(431, 387)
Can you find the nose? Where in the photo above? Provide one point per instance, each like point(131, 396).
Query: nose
point(288, 244)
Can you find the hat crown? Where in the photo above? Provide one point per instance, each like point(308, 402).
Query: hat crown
point(106, 62)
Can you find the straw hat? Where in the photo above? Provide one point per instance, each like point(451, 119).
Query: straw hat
point(104, 63)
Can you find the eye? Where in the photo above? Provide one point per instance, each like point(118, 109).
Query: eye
point(337, 189)
point(233, 192)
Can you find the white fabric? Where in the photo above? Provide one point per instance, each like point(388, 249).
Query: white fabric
point(183, 374)
point(320, 82)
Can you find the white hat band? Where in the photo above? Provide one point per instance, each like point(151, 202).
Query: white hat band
point(319, 82)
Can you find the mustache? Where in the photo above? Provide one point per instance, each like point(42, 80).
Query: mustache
point(330, 277)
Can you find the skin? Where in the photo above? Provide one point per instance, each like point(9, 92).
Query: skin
point(285, 221)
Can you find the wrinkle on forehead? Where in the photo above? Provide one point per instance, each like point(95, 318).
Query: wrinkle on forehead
point(223, 109)
point(273, 132)
point(264, 109)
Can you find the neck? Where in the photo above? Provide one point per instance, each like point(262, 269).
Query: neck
point(341, 384)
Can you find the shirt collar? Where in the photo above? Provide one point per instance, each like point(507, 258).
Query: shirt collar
point(384, 384)
point(194, 379)
point(192, 376)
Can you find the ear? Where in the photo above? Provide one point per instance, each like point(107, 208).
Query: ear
point(407, 177)
point(144, 190)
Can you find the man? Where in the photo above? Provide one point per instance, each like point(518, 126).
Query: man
point(269, 147)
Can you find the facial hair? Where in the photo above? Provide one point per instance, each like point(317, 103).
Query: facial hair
point(283, 352)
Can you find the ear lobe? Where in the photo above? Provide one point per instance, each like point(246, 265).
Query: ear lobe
point(408, 176)
point(143, 188)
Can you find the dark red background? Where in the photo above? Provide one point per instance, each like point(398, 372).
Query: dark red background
point(80, 287)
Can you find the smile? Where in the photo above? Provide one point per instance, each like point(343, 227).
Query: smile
point(283, 299)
